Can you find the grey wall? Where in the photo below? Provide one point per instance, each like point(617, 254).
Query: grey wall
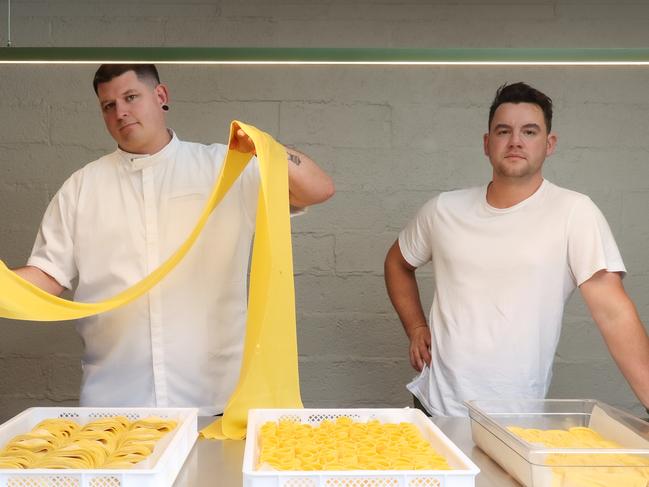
point(392, 137)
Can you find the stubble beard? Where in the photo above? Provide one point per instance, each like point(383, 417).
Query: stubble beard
point(522, 169)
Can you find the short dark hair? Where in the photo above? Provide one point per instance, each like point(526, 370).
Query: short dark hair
point(106, 72)
point(522, 93)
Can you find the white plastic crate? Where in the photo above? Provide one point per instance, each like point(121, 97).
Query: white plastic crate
point(462, 475)
point(159, 469)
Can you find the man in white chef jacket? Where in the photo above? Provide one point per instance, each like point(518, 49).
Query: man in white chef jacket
point(506, 257)
point(116, 219)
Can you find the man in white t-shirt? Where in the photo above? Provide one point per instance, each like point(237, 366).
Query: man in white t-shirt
point(506, 257)
point(118, 218)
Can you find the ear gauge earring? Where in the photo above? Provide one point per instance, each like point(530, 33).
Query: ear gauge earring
point(165, 107)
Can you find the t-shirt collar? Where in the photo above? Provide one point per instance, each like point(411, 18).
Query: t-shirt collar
point(533, 197)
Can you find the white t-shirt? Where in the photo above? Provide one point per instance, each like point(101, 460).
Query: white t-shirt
point(502, 278)
point(111, 224)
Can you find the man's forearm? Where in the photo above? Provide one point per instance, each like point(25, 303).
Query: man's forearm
point(403, 291)
point(624, 334)
point(628, 344)
point(40, 279)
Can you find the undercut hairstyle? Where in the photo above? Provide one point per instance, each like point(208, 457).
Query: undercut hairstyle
point(522, 93)
point(144, 72)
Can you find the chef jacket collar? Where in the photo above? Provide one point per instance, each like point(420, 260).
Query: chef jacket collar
point(137, 162)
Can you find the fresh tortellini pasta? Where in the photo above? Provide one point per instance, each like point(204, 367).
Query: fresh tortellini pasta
point(344, 444)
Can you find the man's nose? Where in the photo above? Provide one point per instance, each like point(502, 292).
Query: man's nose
point(515, 138)
point(121, 109)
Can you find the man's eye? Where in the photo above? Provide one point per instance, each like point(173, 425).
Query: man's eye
point(108, 106)
point(529, 132)
point(131, 97)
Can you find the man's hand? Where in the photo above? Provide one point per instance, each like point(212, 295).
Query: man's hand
point(241, 141)
point(420, 347)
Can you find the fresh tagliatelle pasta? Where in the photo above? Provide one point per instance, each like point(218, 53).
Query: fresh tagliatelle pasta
point(344, 444)
point(587, 470)
point(113, 442)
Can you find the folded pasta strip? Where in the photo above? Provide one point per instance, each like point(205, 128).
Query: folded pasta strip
point(113, 442)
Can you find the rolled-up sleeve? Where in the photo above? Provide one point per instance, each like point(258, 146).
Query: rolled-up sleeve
point(53, 250)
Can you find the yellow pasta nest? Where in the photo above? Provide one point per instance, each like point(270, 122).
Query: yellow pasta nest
point(113, 442)
point(587, 470)
point(346, 445)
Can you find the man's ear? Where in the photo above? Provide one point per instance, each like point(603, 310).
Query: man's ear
point(551, 144)
point(162, 92)
point(485, 144)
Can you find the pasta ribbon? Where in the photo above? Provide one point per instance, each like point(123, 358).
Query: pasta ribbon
point(113, 442)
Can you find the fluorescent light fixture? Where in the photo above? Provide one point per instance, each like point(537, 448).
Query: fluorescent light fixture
point(328, 56)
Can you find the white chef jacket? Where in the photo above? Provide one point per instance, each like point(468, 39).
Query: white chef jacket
point(111, 224)
point(502, 278)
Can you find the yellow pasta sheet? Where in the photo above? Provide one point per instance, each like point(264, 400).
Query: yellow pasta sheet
point(269, 375)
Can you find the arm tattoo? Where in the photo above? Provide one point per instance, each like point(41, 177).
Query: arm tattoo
point(295, 159)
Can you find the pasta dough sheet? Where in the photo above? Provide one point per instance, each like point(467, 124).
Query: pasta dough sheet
point(269, 368)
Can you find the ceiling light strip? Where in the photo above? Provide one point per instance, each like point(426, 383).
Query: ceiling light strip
point(327, 56)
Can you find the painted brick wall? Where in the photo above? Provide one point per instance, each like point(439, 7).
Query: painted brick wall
point(392, 137)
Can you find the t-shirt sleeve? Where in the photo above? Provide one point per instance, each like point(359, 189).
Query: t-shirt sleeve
point(415, 240)
point(591, 246)
point(53, 250)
